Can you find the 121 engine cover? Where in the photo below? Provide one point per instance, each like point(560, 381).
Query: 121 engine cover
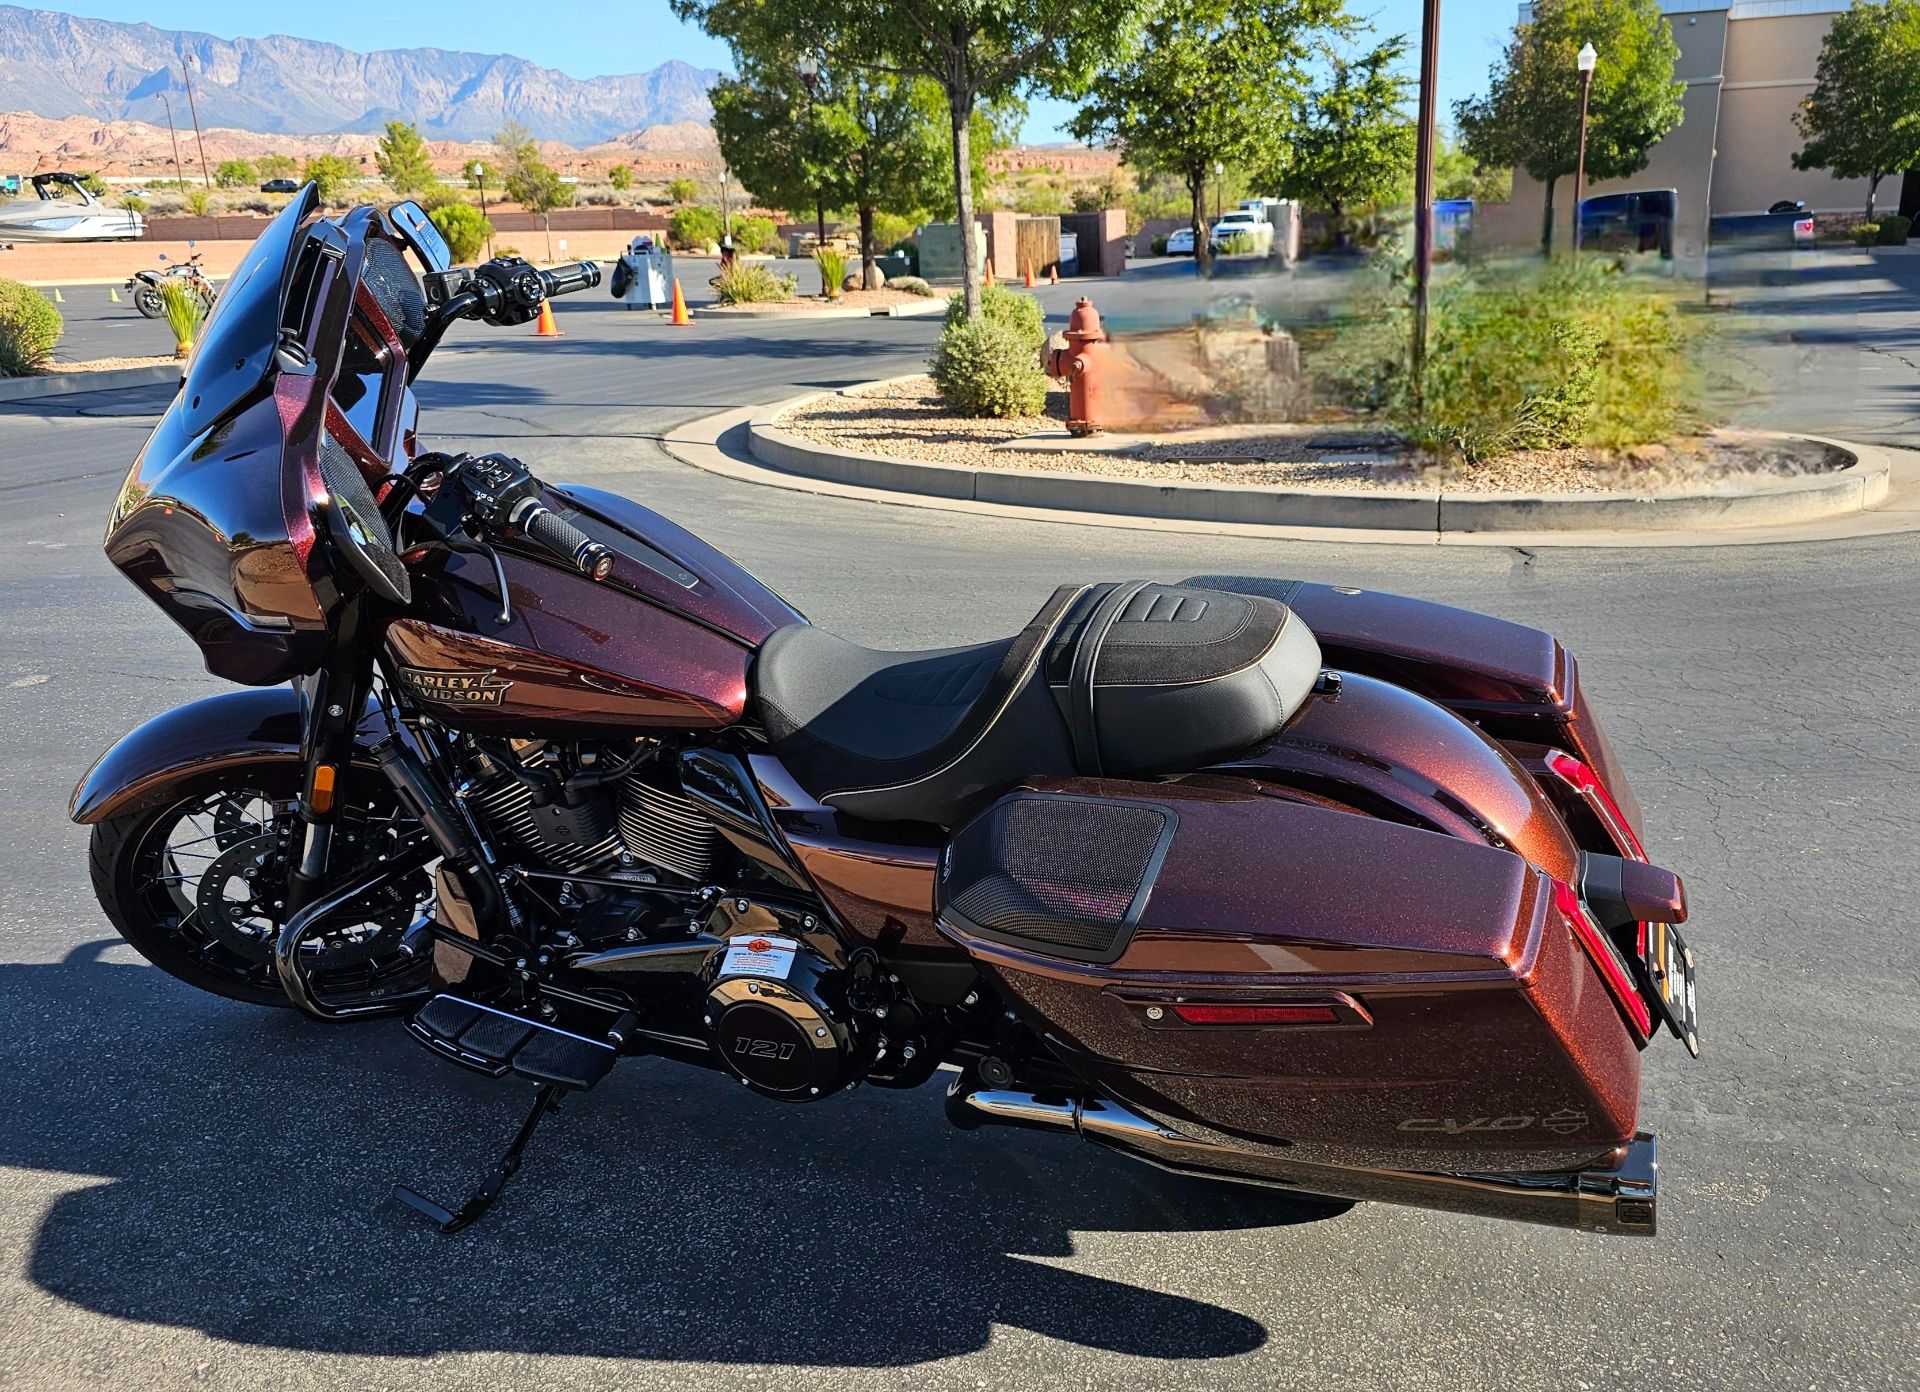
point(777, 1016)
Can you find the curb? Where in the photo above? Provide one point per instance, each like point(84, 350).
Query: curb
point(1428, 511)
point(75, 383)
point(935, 305)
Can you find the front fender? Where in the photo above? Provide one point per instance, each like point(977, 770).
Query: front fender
point(235, 727)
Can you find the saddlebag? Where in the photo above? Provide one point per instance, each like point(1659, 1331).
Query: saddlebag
point(1236, 965)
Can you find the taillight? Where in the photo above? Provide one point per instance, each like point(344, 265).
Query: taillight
point(1606, 959)
point(1586, 782)
point(1803, 228)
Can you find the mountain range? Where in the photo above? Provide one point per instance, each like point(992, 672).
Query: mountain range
point(58, 65)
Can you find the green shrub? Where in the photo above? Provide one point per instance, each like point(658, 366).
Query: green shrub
point(833, 270)
point(682, 190)
point(1893, 230)
point(1018, 311)
point(133, 203)
point(621, 177)
point(1865, 234)
point(751, 282)
point(986, 367)
point(1577, 353)
point(1237, 244)
point(912, 284)
point(29, 328)
point(692, 229)
point(892, 230)
point(755, 234)
point(184, 312)
point(464, 228)
point(1158, 246)
point(198, 200)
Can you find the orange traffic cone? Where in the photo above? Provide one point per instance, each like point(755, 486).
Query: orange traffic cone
point(545, 327)
point(680, 315)
point(989, 280)
point(1053, 274)
point(1029, 273)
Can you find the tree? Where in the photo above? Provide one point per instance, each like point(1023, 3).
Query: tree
point(1456, 174)
point(235, 173)
point(975, 50)
point(331, 173)
point(1530, 118)
point(621, 177)
point(402, 157)
point(1862, 120)
point(682, 190)
point(859, 141)
point(464, 228)
point(528, 180)
point(277, 166)
point(1213, 81)
point(94, 185)
point(1355, 142)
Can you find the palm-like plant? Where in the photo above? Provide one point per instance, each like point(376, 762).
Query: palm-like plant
point(833, 270)
point(184, 312)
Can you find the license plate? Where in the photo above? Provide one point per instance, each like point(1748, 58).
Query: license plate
point(1669, 964)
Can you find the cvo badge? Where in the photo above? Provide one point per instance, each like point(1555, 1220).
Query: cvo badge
point(457, 688)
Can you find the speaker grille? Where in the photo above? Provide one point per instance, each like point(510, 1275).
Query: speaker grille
point(1068, 875)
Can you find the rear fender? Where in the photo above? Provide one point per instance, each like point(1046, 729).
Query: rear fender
point(150, 763)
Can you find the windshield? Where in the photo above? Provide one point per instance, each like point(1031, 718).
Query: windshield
point(235, 347)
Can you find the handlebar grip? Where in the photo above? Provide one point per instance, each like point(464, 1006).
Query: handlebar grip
point(567, 279)
point(546, 527)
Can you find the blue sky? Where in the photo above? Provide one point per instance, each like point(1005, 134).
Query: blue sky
point(1472, 34)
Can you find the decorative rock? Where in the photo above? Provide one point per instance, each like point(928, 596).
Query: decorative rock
point(851, 281)
point(876, 278)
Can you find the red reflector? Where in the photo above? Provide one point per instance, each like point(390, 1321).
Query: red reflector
point(1585, 781)
point(1193, 1014)
point(1606, 960)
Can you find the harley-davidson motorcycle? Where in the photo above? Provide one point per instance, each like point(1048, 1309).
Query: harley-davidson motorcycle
point(1337, 892)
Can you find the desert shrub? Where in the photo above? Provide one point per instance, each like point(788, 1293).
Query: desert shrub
point(235, 173)
point(1865, 234)
point(833, 269)
point(1158, 246)
point(1893, 230)
point(693, 228)
point(912, 284)
point(598, 198)
point(1577, 353)
point(198, 201)
point(331, 173)
point(1019, 312)
point(755, 234)
point(133, 203)
point(682, 190)
point(258, 203)
point(621, 177)
point(986, 367)
point(30, 327)
point(751, 282)
point(464, 228)
point(184, 311)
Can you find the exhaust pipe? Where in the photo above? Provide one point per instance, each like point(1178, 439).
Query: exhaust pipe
point(1619, 1199)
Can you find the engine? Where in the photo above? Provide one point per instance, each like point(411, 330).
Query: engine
point(778, 1017)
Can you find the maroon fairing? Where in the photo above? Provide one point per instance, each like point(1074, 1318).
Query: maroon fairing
point(1474, 1033)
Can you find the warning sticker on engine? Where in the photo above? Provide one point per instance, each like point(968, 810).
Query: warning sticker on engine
point(759, 956)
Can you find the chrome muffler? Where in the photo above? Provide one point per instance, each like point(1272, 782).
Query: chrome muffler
point(1618, 1199)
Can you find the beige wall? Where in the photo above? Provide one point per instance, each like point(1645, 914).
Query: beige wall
point(1732, 151)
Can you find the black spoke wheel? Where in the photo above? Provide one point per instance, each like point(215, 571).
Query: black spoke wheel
point(147, 300)
point(197, 886)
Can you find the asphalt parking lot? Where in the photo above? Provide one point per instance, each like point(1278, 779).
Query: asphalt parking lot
point(194, 1190)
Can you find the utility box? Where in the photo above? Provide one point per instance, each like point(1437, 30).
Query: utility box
point(643, 276)
point(940, 250)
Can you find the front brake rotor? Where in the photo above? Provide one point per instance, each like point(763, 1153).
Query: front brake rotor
point(242, 902)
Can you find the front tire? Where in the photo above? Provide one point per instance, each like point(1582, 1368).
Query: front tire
point(147, 300)
point(195, 886)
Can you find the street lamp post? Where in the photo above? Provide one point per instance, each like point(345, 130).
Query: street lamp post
point(810, 74)
point(1585, 60)
point(179, 178)
point(206, 177)
point(478, 173)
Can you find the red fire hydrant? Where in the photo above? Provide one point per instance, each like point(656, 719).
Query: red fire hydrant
point(1078, 362)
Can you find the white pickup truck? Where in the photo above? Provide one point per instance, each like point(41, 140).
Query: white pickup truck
point(1243, 222)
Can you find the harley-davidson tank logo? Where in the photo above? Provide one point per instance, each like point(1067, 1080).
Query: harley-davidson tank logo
point(457, 688)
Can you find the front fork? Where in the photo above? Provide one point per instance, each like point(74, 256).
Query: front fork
point(334, 699)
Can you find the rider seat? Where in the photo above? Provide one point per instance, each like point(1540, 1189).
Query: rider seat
point(1108, 680)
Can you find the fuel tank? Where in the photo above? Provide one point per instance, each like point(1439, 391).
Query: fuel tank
point(662, 644)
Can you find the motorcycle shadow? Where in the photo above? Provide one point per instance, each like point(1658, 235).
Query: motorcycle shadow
point(668, 1215)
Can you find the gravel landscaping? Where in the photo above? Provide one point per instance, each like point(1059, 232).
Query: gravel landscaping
point(59, 368)
point(905, 419)
point(812, 304)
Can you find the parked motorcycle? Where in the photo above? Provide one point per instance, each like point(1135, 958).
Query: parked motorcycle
point(144, 286)
point(1269, 881)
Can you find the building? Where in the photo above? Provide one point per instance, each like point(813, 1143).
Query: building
point(1748, 64)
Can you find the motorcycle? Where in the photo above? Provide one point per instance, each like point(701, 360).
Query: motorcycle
point(1275, 882)
point(143, 287)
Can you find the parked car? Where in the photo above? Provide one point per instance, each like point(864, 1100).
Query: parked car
point(1180, 242)
point(1787, 223)
point(279, 186)
point(1243, 222)
point(1639, 222)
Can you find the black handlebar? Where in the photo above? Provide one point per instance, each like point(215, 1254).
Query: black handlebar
point(504, 291)
point(564, 280)
point(549, 529)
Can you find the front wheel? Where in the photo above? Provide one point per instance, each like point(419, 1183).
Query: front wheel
point(146, 299)
point(197, 886)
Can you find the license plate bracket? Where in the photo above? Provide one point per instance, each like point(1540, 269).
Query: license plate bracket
point(1670, 979)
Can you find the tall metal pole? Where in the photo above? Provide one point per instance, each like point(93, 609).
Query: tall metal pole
point(205, 177)
point(179, 179)
point(1423, 192)
point(1580, 161)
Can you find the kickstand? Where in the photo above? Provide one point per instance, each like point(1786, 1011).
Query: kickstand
point(547, 1100)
